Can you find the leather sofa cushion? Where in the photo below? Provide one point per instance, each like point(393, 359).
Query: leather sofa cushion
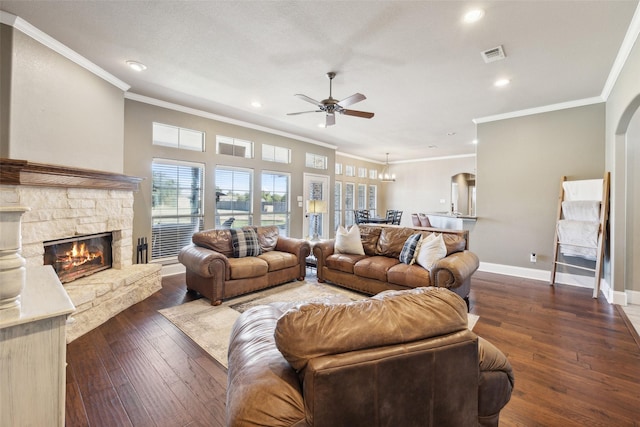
point(454, 243)
point(244, 268)
point(217, 240)
point(408, 275)
point(279, 260)
point(375, 267)
point(369, 236)
point(392, 240)
point(343, 262)
point(316, 329)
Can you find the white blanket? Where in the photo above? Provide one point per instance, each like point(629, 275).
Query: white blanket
point(581, 210)
point(578, 238)
point(586, 189)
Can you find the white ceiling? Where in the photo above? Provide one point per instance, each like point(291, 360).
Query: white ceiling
point(417, 62)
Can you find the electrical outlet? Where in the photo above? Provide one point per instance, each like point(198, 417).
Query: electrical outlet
point(533, 257)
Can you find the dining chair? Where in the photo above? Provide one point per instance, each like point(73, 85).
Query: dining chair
point(397, 217)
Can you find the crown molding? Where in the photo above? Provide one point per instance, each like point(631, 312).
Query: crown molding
point(431, 159)
point(538, 110)
point(207, 115)
point(53, 44)
point(623, 54)
point(353, 156)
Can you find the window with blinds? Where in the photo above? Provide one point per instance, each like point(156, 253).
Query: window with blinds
point(337, 204)
point(234, 196)
point(176, 206)
point(349, 190)
point(274, 205)
point(362, 196)
point(372, 201)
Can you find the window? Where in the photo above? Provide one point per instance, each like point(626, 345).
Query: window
point(349, 190)
point(274, 205)
point(172, 136)
point(338, 168)
point(337, 204)
point(362, 196)
point(176, 206)
point(362, 172)
point(233, 196)
point(234, 147)
point(272, 153)
point(316, 161)
point(373, 174)
point(350, 170)
point(372, 202)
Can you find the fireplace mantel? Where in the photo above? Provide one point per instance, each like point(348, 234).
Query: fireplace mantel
point(22, 172)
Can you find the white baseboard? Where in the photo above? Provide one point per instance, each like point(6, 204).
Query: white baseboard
point(633, 297)
point(613, 297)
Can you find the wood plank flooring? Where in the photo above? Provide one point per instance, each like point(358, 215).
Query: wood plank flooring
point(575, 361)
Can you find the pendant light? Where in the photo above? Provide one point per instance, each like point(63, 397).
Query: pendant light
point(386, 175)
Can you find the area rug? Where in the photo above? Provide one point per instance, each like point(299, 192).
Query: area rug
point(210, 326)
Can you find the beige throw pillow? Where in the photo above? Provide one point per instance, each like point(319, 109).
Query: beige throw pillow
point(430, 251)
point(348, 242)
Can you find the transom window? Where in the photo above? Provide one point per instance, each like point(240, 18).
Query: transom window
point(234, 147)
point(316, 161)
point(273, 153)
point(176, 137)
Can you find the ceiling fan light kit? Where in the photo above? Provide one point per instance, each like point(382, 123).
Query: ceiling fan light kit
point(331, 106)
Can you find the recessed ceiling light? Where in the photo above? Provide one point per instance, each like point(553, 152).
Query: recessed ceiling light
point(450, 133)
point(256, 104)
point(136, 66)
point(475, 141)
point(322, 125)
point(501, 82)
point(473, 15)
point(432, 146)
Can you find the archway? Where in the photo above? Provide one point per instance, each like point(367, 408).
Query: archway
point(627, 261)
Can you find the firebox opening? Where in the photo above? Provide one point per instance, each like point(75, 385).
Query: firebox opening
point(79, 256)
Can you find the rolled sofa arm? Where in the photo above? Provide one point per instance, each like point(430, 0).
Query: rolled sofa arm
point(495, 384)
point(452, 271)
point(321, 251)
point(204, 262)
point(298, 247)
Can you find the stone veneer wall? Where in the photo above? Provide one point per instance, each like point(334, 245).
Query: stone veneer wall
point(58, 213)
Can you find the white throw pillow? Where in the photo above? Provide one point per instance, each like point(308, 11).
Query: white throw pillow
point(348, 242)
point(431, 250)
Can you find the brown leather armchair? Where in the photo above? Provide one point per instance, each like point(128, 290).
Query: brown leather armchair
point(400, 358)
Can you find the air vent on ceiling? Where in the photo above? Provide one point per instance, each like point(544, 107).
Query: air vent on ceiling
point(495, 54)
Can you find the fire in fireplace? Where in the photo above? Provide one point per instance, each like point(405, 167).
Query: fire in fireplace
point(78, 256)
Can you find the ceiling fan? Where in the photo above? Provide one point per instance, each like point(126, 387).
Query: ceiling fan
point(331, 106)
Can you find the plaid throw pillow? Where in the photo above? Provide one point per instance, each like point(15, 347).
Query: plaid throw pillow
point(245, 242)
point(409, 248)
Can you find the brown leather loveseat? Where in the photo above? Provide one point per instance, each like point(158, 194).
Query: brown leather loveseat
point(216, 269)
point(400, 358)
point(379, 268)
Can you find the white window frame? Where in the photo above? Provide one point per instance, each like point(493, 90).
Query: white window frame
point(372, 202)
point(348, 213)
point(350, 170)
point(362, 172)
point(176, 137)
point(264, 214)
point(362, 197)
point(337, 204)
point(316, 161)
point(238, 215)
point(235, 142)
point(373, 174)
point(277, 154)
point(338, 168)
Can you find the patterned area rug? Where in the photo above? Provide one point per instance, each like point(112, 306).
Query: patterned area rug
point(210, 326)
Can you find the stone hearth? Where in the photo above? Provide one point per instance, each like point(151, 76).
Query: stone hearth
point(67, 202)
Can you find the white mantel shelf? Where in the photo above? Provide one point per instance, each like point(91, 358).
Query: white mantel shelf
point(33, 353)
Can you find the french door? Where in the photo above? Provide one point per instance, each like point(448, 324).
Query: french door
point(316, 187)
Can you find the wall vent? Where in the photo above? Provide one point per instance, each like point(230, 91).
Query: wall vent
point(495, 54)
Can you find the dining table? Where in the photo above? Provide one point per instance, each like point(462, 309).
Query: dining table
point(377, 220)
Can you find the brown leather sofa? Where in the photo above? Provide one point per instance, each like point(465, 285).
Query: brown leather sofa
point(212, 270)
point(400, 358)
point(379, 268)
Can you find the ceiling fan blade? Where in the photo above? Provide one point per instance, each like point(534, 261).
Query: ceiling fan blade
point(356, 97)
point(304, 112)
point(306, 98)
point(331, 120)
point(363, 114)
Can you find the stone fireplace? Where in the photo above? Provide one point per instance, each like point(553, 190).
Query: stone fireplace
point(66, 203)
point(78, 256)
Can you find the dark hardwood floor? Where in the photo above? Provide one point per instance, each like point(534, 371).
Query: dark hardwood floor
point(575, 361)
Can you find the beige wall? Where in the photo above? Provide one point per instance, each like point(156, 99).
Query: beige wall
point(139, 153)
point(622, 104)
point(60, 113)
point(520, 164)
